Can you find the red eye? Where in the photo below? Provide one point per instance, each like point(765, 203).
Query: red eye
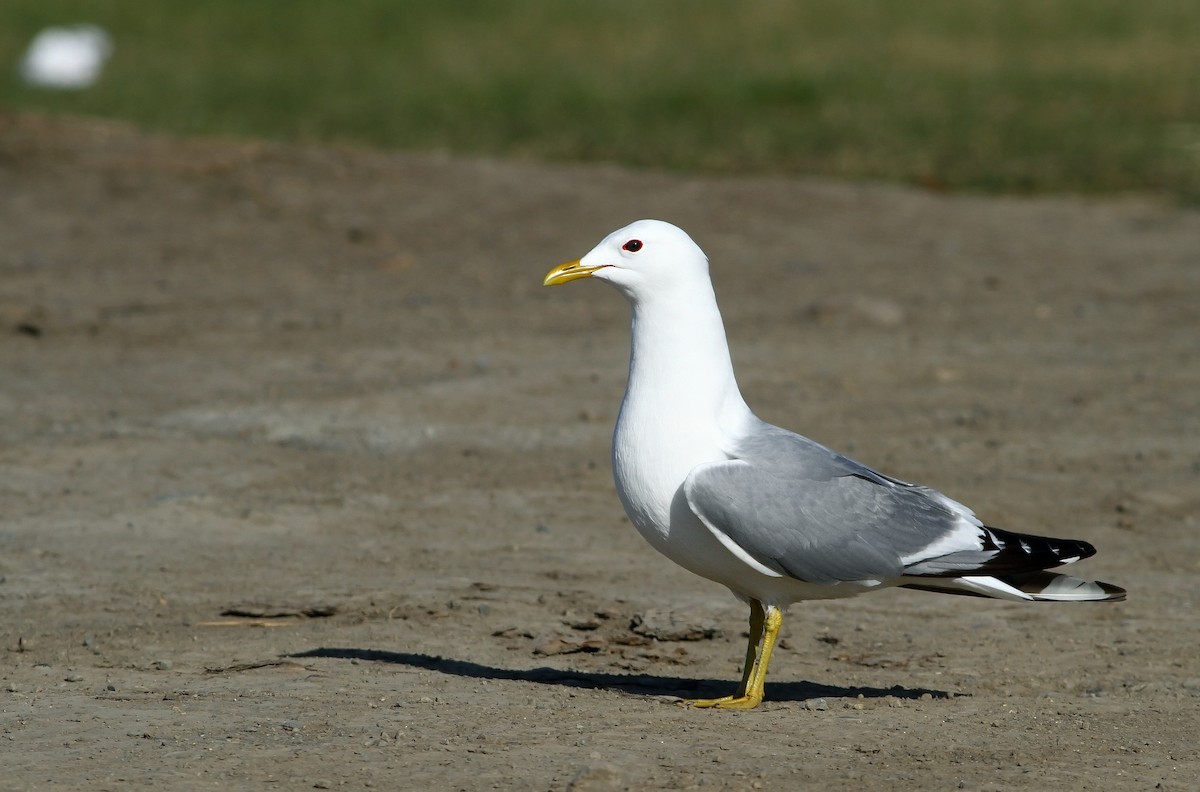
point(633, 245)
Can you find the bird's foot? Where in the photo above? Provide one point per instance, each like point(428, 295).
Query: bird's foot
point(724, 702)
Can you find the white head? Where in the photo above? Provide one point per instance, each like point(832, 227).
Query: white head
point(645, 258)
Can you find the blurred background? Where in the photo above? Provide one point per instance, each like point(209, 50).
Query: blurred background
point(1013, 96)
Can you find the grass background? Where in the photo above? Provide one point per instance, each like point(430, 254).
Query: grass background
point(988, 95)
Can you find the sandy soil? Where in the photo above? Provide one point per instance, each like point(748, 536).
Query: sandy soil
point(305, 477)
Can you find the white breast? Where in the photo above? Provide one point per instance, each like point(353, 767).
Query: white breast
point(680, 407)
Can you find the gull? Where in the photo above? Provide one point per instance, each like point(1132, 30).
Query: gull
point(774, 516)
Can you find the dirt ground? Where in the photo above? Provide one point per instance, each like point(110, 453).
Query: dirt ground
point(305, 477)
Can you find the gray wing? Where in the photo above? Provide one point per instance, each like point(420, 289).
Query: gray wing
point(805, 511)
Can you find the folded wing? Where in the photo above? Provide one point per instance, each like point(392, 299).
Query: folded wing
point(798, 509)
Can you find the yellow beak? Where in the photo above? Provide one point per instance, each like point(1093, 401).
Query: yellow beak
point(565, 273)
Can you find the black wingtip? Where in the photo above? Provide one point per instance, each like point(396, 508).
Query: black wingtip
point(1023, 552)
point(1086, 549)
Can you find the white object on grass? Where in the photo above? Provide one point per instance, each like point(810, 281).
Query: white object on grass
point(66, 58)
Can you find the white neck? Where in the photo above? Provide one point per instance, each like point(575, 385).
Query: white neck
point(680, 356)
point(681, 405)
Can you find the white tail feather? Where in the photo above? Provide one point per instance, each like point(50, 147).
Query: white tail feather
point(1024, 587)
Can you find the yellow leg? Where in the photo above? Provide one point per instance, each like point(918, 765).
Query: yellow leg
point(765, 621)
point(757, 617)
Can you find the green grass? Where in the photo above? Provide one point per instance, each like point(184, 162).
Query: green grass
point(991, 95)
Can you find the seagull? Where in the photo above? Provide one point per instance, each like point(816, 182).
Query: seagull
point(774, 516)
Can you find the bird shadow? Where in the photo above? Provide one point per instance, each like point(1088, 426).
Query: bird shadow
point(632, 684)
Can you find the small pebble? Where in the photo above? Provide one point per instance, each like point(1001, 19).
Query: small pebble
point(73, 677)
point(163, 665)
point(816, 704)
